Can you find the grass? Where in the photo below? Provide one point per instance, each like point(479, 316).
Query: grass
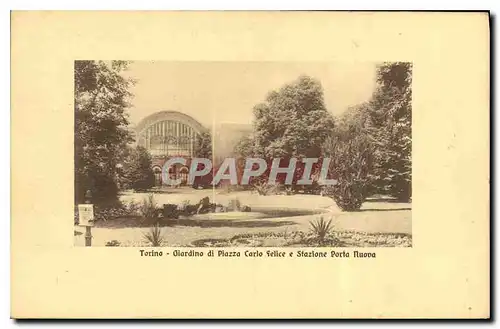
point(378, 224)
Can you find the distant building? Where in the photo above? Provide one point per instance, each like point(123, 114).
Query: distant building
point(168, 134)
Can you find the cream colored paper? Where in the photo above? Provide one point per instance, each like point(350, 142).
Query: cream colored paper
point(444, 274)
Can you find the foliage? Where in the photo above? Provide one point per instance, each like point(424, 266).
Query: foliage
point(131, 208)
point(139, 170)
point(289, 191)
point(100, 101)
point(348, 195)
point(113, 243)
point(155, 236)
point(115, 211)
point(123, 168)
point(170, 211)
point(263, 187)
point(293, 121)
point(108, 213)
point(300, 238)
point(321, 228)
point(148, 207)
point(245, 147)
point(389, 126)
point(204, 206)
point(187, 209)
point(351, 162)
point(210, 242)
point(203, 146)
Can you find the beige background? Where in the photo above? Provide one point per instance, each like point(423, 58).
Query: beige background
point(445, 274)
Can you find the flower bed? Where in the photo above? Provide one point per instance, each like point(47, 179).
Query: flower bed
point(302, 239)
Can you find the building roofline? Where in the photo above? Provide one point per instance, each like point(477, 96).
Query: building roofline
point(169, 115)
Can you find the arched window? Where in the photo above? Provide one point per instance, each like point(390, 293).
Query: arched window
point(169, 133)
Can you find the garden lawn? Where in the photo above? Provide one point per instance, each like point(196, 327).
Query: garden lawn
point(376, 216)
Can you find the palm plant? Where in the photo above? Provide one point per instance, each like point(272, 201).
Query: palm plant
point(155, 236)
point(148, 208)
point(321, 228)
point(262, 187)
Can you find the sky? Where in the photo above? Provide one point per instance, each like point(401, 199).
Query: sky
point(227, 91)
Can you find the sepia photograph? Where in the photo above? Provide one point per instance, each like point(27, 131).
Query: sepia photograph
point(243, 154)
point(250, 165)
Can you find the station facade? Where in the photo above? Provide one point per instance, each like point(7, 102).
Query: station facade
point(168, 134)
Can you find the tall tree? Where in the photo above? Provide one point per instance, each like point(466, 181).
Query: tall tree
point(245, 147)
point(351, 157)
point(293, 121)
point(140, 172)
point(390, 112)
point(203, 146)
point(101, 94)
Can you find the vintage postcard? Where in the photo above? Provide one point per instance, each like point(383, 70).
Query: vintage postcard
point(228, 174)
point(250, 165)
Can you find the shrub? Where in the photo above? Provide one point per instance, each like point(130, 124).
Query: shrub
point(204, 206)
point(131, 208)
point(148, 208)
point(261, 187)
point(348, 195)
point(321, 228)
point(101, 183)
point(170, 211)
point(107, 213)
point(264, 188)
point(190, 209)
point(155, 236)
point(113, 243)
point(139, 173)
point(210, 242)
point(351, 161)
point(314, 188)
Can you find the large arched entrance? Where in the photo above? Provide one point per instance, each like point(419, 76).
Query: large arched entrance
point(168, 134)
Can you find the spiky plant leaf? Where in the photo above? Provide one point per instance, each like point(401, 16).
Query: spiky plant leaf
point(155, 236)
point(321, 228)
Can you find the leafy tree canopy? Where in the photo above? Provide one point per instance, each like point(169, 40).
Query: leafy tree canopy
point(293, 121)
point(101, 133)
point(390, 115)
point(203, 146)
point(139, 172)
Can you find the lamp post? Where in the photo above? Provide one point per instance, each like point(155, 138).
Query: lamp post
point(88, 228)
